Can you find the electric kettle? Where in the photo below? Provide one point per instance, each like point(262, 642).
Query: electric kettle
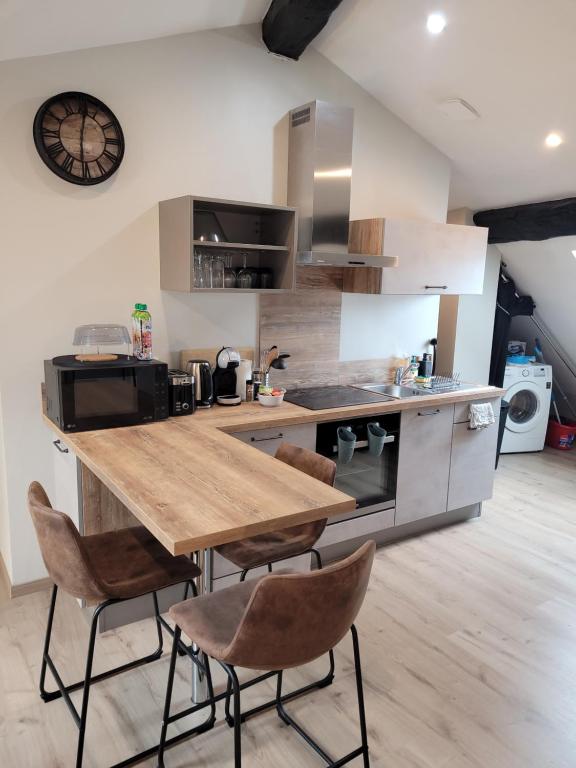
point(204, 390)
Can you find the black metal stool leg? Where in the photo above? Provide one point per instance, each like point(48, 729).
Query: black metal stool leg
point(87, 681)
point(233, 681)
point(360, 692)
point(43, 692)
point(158, 625)
point(169, 687)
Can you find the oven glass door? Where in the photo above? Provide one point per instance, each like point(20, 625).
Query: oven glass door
point(113, 397)
point(369, 473)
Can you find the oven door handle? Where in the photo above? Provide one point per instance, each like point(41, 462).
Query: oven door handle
point(365, 443)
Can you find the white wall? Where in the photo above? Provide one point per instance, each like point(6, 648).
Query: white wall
point(203, 114)
point(386, 326)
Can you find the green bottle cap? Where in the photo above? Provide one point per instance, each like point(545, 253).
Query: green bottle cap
point(141, 307)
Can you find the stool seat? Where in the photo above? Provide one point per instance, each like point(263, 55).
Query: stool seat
point(212, 620)
point(267, 547)
point(130, 562)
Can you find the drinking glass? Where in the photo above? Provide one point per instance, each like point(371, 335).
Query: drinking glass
point(199, 281)
point(229, 272)
point(216, 271)
point(244, 279)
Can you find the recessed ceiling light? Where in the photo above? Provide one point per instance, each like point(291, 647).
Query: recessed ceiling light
point(574, 254)
point(554, 140)
point(435, 23)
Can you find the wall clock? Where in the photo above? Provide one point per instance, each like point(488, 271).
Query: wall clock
point(79, 138)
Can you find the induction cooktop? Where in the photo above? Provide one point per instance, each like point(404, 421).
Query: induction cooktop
point(317, 398)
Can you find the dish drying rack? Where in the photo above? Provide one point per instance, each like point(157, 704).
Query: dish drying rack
point(444, 382)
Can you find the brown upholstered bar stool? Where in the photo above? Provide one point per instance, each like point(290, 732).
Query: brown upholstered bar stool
point(269, 548)
point(280, 621)
point(105, 568)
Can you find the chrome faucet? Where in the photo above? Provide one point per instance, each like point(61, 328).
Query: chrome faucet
point(399, 374)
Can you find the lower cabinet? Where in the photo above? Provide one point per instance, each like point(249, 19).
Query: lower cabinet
point(472, 463)
point(423, 462)
point(65, 495)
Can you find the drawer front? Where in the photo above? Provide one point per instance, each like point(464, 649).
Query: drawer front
point(462, 410)
point(347, 530)
point(269, 440)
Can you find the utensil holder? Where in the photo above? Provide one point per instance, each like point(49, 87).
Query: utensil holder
point(376, 438)
point(346, 444)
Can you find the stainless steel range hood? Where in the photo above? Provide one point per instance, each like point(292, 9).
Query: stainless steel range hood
point(319, 180)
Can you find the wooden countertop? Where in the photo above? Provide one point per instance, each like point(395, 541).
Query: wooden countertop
point(193, 486)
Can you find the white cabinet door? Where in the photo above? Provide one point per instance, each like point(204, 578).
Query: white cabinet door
point(65, 496)
point(472, 464)
point(423, 462)
point(269, 440)
point(434, 258)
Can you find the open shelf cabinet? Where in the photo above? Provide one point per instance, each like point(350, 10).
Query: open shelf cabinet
point(197, 231)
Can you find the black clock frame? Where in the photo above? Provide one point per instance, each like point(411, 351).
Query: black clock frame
point(43, 150)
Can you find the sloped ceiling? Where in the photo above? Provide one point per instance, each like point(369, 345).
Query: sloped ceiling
point(513, 61)
point(547, 271)
point(38, 27)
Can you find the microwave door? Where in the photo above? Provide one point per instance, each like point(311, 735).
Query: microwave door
point(109, 398)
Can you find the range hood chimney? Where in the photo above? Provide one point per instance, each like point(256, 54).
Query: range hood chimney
point(319, 180)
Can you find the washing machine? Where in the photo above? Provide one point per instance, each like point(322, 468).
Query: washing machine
point(529, 391)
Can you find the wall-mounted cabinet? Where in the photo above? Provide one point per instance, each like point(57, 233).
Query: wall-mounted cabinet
point(221, 245)
point(440, 259)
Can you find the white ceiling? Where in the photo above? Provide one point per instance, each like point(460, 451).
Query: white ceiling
point(38, 27)
point(513, 61)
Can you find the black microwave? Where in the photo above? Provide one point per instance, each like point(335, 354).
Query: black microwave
point(99, 395)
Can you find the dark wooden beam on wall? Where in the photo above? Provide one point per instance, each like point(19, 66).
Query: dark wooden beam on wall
point(290, 25)
point(535, 221)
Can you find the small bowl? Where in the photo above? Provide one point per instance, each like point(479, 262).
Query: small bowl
point(270, 401)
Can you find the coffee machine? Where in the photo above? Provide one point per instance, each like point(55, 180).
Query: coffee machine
point(224, 377)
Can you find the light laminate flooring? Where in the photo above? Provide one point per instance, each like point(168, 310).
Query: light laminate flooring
point(468, 636)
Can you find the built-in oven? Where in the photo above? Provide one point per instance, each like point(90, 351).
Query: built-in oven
point(366, 459)
point(98, 395)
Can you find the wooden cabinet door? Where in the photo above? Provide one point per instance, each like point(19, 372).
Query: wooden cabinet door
point(423, 462)
point(440, 259)
point(472, 464)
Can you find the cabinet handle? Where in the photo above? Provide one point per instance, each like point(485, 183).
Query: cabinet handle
point(429, 413)
point(279, 436)
point(58, 445)
point(436, 287)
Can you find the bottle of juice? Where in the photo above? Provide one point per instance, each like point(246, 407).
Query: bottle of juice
point(142, 332)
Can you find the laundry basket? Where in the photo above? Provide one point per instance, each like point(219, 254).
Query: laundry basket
point(561, 436)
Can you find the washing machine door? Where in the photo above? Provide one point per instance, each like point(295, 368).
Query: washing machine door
point(525, 400)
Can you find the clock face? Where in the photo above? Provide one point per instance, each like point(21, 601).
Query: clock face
point(79, 138)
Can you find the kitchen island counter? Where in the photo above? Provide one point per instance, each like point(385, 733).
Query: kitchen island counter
point(194, 487)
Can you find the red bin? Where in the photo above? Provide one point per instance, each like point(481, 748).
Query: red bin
point(561, 436)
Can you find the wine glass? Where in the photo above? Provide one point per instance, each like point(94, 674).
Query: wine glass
point(244, 279)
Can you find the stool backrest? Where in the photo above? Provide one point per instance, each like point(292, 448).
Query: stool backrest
point(62, 549)
point(311, 463)
point(294, 618)
point(315, 465)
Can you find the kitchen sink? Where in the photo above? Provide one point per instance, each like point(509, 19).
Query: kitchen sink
point(395, 390)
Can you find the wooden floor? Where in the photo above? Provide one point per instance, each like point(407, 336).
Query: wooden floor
point(469, 649)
